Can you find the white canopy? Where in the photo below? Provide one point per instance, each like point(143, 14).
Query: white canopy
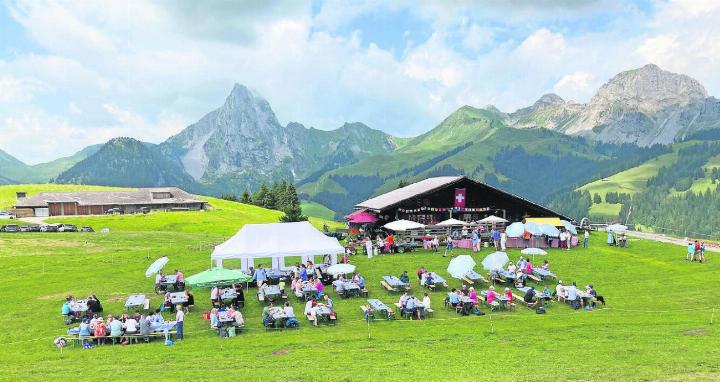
point(492, 219)
point(276, 241)
point(403, 225)
point(451, 223)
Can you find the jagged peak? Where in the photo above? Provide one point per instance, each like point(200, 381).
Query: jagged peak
point(549, 99)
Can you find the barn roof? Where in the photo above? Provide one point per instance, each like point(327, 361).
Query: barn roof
point(96, 198)
point(429, 185)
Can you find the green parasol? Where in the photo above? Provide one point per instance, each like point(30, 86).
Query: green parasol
point(217, 276)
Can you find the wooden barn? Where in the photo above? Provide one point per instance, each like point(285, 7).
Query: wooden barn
point(98, 202)
point(436, 199)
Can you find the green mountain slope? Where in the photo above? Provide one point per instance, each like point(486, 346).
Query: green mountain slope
point(127, 162)
point(534, 163)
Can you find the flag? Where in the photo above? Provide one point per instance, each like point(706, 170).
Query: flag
point(460, 197)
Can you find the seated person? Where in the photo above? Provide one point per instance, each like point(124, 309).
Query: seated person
point(528, 268)
point(473, 296)
point(429, 280)
point(240, 299)
point(546, 265)
point(520, 278)
point(591, 291)
point(411, 307)
point(530, 297)
point(404, 277)
point(116, 327)
point(85, 330)
point(239, 320)
point(454, 298)
point(157, 316)
point(329, 302)
point(214, 318)
point(338, 285)
point(403, 300)
point(521, 263)
point(321, 288)
point(561, 292)
point(100, 330)
point(491, 297)
point(190, 300)
point(509, 296)
point(93, 304)
point(66, 309)
point(512, 268)
point(464, 290)
point(426, 301)
point(288, 310)
point(311, 313)
point(267, 318)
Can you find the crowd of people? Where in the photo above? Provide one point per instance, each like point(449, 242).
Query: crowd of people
point(411, 306)
point(314, 310)
point(217, 292)
point(578, 299)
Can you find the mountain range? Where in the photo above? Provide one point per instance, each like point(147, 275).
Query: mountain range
point(540, 151)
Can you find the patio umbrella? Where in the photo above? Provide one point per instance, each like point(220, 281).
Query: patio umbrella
point(533, 252)
point(156, 266)
point(451, 222)
point(569, 227)
point(492, 219)
point(460, 266)
point(362, 217)
point(515, 230)
point(533, 228)
point(617, 228)
point(217, 276)
point(340, 269)
point(403, 225)
point(495, 260)
point(549, 230)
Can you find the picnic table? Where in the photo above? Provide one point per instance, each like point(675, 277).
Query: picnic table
point(224, 317)
point(507, 275)
point(165, 283)
point(501, 298)
point(474, 276)
point(269, 292)
point(538, 294)
point(135, 301)
point(228, 295)
point(351, 288)
point(395, 282)
point(437, 280)
point(543, 273)
point(79, 307)
point(178, 298)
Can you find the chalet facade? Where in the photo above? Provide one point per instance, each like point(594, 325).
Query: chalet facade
point(98, 202)
point(435, 199)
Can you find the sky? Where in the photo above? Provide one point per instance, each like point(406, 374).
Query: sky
point(75, 73)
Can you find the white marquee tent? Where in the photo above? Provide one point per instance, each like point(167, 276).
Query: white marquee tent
point(275, 241)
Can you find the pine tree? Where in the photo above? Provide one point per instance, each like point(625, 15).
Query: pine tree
point(293, 210)
point(597, 199)
point(293, 214)
point(260, 197)
point(246, 197)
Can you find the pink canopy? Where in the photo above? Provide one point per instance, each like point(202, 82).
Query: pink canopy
point(361, 217)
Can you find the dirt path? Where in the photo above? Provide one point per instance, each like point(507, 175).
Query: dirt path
point(666, 239)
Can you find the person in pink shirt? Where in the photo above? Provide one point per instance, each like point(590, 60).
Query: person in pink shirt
point(473, 296)
point(509, 295)
point(319, 286)
point(180, 280)
point(528, 268)
point(491, 295)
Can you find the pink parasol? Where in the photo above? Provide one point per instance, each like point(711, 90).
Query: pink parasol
point(361, 217)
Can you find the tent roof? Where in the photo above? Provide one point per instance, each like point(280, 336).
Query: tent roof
point(403, 225)
point(277, 240)
point(452, 222)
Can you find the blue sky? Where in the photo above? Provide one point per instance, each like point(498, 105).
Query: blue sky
point(74, 74)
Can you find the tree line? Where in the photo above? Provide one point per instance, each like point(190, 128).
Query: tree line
point(281, 196)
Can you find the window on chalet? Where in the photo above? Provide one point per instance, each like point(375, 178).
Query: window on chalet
point(162, 195)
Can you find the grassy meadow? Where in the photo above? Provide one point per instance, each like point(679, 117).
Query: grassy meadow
point(657, 325)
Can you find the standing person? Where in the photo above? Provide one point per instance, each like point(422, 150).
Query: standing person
point(180, 318)
point(690, 252)
point(259, 276)
point(586, 239)
point(702, 252)
point(369, 248)
point(436, 244)
point(448, 247)
point(568, 237)
point(503, 240)
point(495, 234)
point(475, 241)
point(420, 273)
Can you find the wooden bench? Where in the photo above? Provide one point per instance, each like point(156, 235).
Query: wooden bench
point(388, 287)
point(534, 278)
point(364, 292)
point(429, 312)
point(367, 312)
point(518, 298)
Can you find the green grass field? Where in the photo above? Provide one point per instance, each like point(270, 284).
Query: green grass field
point(657, 325)
point(317, 210)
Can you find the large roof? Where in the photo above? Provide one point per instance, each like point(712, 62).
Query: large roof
point(394, 197)
point(96, 198)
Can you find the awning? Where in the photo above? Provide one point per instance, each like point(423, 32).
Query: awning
point(555, 222)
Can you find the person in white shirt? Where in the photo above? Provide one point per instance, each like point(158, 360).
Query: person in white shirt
point(369, 248)
point(426, 301)
point(572, 296)
point(503, 240)
point(560, 292)
point(288, 310)
point(512, 268)
point(586, 239)
point(215, 294)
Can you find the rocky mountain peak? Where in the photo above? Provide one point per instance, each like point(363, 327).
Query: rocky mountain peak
point(548, 100)
point(649, 89)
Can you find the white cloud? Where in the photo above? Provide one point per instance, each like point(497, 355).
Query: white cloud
point(147, 69)
point(576, 85)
